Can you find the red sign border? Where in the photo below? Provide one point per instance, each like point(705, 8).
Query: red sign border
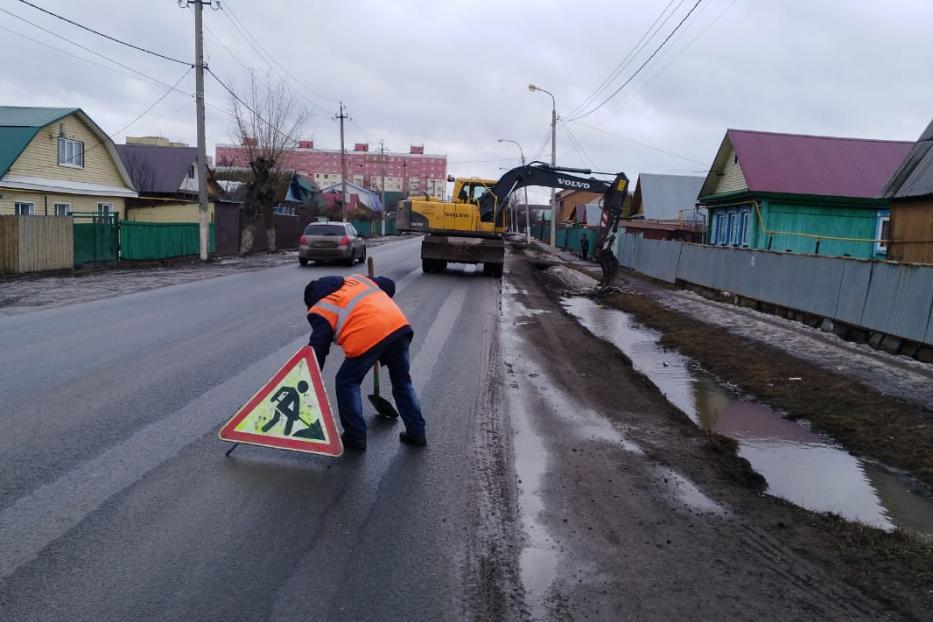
point(333, 448)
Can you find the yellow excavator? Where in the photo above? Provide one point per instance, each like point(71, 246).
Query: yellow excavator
point(471, 228)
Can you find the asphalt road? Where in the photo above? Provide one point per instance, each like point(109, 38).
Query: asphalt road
point(116, 500)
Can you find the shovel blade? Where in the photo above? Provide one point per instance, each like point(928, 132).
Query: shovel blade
point(384, 407)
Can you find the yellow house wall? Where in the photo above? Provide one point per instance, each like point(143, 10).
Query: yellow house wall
point(40, 158)
point(79, 203)
point(732, 178)
point(169, 212)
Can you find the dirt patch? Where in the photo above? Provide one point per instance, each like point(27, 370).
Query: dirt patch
point(886, 428)
point(634, 542)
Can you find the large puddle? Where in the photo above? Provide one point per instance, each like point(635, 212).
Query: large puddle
point(800, 465)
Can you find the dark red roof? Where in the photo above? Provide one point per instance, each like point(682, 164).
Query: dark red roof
point(816, 165)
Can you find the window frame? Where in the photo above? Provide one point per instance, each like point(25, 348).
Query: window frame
point(108, 211)
point(55, 207)
point(63, 159)
point(17, 205)
point(881, 246)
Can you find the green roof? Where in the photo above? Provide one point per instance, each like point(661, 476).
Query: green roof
point(17, 116)
point(18, 126)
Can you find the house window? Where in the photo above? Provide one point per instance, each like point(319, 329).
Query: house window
point(730, 229)
point(62, 209)
point(25, 209)
point(70, 152)
point(742, 238)
point(191, 172)
point(104, 209)
point(883, 234)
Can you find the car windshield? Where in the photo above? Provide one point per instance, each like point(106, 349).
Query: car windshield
point(325, 230)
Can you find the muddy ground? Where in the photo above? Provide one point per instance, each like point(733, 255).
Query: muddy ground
point(896, 431)
point(632, 512)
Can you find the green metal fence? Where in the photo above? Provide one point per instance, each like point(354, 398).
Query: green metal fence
point(568, 238)
point(373, 228)
point(161, 240)
point(96, 238)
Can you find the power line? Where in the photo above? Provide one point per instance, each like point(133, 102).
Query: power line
point(105, 36)
point(642, 144)
point(112, 136)
point(629, 57)
point(678, 55)
point(578, 146)
point(268, 58)
point(224, 46)
point(244, 104)
point(87, 49)
point(648, 60)
point(155, 103)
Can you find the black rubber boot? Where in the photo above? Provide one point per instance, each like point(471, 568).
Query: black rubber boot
point(408, 439)
point(353, 443)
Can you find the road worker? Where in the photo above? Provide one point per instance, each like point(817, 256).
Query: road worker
point(358, 313)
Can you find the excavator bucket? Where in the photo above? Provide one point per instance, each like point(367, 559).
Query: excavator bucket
point(610, 267)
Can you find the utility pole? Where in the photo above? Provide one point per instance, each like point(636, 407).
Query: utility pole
point(199, 112)
point(343, 162)
point(527, 215)
point(382, 184)
point(533, 88)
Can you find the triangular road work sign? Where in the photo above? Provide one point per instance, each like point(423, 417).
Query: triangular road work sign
point(290, 412)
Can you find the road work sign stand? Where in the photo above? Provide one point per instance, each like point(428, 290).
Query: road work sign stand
point(290, 412)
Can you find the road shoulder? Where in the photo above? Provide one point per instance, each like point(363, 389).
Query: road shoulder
point(677, 527)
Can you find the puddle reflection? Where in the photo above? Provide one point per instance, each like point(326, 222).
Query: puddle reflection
point(804, 467)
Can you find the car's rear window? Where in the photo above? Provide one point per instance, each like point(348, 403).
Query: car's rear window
point(325, 230)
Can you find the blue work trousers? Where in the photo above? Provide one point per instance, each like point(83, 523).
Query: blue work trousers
point(394, 355)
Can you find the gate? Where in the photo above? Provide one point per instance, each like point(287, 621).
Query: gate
point(96, 238)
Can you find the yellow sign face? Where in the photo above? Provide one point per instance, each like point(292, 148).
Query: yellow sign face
point(290, 412)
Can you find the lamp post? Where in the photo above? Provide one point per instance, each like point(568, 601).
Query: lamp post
point(533, 88)
point(527, 218)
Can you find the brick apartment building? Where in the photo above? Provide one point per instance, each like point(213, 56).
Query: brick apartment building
point(413, 172)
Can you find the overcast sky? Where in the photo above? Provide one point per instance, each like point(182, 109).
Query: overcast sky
point(453, 75)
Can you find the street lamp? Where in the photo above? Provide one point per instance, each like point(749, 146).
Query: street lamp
point(533, 88)
point(527, 219)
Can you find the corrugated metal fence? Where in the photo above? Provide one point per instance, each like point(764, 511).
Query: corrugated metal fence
point(35, 243)
point(160, 240)
point(887, 297)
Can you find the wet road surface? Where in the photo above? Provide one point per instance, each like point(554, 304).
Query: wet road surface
point(116, 501)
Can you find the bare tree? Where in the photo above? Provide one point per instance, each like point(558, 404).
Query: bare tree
point(140, 168)
point(268, 125)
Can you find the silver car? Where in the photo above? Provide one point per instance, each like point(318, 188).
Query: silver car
point(331, 241)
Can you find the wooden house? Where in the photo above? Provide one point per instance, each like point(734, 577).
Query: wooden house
point(166, 177)
point(800, 194)
point(910, 190)
point(57, 161)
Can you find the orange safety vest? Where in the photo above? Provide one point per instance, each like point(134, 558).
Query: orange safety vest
point(360, 314)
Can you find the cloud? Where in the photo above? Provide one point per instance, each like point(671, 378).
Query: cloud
point(453, 75)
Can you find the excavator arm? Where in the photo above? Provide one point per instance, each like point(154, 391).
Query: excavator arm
point(541, 174)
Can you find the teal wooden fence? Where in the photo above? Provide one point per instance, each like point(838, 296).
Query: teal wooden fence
point(568, 238)
point(373, 228)
point(160, 240)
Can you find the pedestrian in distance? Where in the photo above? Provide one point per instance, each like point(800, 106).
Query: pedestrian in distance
point(584, 247)
point(358, 314)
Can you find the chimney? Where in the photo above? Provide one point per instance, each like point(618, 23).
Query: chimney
point(306, 144)
point(417, 150)
point(361, 147)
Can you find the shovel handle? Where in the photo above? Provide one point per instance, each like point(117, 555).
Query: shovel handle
point(372, 273)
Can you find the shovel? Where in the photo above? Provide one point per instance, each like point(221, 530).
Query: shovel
point(383, 406)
